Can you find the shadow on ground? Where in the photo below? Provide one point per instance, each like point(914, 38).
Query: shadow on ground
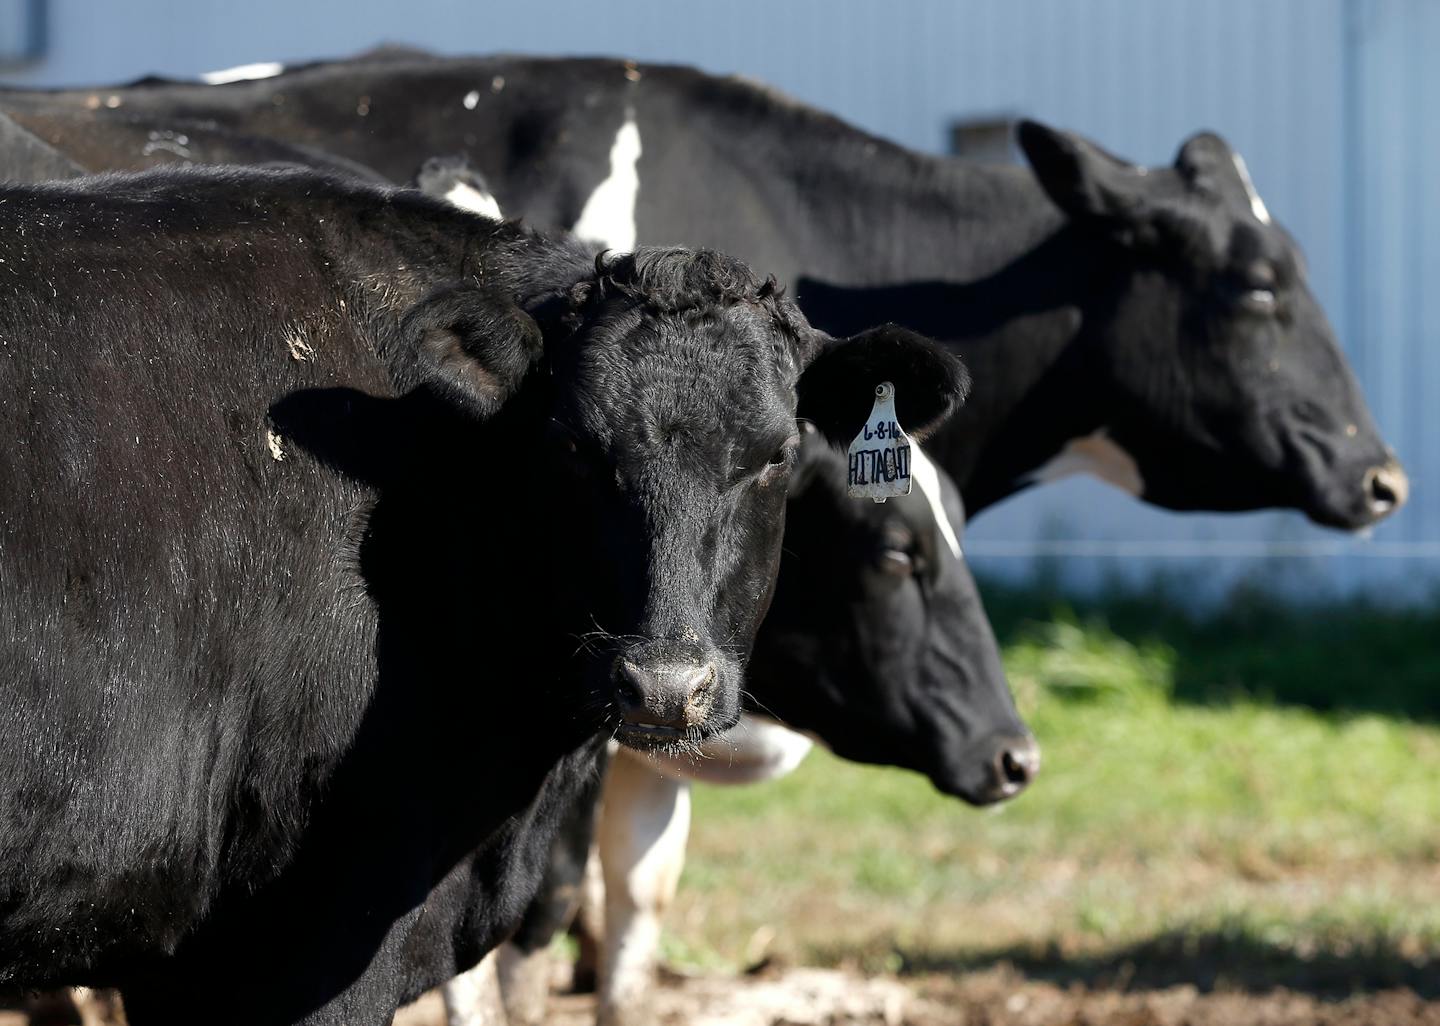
point(1207, 961)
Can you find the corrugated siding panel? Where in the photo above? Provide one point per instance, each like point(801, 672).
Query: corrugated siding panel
point(1331, 101)
point(1396, 260)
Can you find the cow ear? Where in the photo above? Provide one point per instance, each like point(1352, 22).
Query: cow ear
point(1083, 180)
point(454, 180)
point(1208, 164)
point(473, 346)
point(837, 389)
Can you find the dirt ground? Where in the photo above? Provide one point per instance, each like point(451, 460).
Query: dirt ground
point(991, 997)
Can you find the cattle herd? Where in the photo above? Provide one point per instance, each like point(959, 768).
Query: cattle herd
point(368, 560)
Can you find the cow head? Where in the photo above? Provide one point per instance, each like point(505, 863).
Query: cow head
point(877, 641)
point(668, 386)
point(1229, 382)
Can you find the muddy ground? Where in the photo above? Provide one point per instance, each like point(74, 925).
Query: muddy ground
point(992, 997)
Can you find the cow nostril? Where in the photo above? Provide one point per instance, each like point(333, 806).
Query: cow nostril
point(1386, 488)
point(664, 696)
point(629, 685)
point(1013, 770)
point(702, 694)
point(1016, 763)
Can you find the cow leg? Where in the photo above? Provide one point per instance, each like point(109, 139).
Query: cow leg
point(524, 963)
point(85, 1005)
point(589, 925)
point(524, 980)
point(473, 997)
point(644, 824)
point(98, 1007)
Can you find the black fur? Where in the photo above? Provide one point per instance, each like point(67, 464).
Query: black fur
point(1083, 294)
point(291, 683)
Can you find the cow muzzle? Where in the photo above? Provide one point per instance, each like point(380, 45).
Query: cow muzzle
point(665, 694)
point(1006, 765)
point(1386, 489)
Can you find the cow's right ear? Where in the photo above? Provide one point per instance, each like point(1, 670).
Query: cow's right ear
point(473, 345)
point(1087, 183)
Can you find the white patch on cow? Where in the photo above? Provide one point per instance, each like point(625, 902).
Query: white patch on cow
point(1095, 454)
point(643, 828)
point(471, 99)
point(276, 445)
point(467, 197)
point(297, 342)
point(243, 73)
point(1257, 205)
point(473, 998)
point(754, 750)
point(927, 479)
point(608, 217)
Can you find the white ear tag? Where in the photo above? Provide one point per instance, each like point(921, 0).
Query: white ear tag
point(880, 454)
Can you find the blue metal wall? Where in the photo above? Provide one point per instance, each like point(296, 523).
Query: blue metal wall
point(1331, 101)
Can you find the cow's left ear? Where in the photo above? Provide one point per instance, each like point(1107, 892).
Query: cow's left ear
point(837, 390)
point(473, 345)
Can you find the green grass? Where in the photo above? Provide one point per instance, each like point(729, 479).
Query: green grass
point(1224, 802)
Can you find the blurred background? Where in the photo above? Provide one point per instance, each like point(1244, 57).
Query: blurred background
point(1238, 712)
point(1330, 101)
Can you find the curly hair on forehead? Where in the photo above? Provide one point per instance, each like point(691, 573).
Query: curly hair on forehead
point(676, 280)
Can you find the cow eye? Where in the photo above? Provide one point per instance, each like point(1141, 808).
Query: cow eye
point(786, 452)
point(897, 562)
point(896, 552)
point(1259, 301)
point(781, 458)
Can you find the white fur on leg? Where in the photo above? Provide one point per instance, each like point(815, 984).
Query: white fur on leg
point(524, 978)
point(473, 997)
point(644, 824)
point(97, 1007)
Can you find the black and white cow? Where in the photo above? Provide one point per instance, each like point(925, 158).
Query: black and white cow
point(339, 528)
point(1150, 324)
point(900, 664)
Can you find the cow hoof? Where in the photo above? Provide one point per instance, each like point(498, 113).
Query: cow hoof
point(640, 1012)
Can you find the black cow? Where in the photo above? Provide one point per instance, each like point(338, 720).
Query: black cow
point(293, 684)
point(902, 666)
point(1151, 325)
point(876, 645)
point(111, 140)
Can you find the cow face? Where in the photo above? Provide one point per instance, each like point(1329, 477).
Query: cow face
point(1228, 380)
point(878, 642)
point(671, 387)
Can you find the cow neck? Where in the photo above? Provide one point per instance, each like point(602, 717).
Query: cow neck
point(1003, 278)
point(1028, 335)
point(978, 256)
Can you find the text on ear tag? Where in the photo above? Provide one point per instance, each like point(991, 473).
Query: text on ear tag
point(880, 454)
